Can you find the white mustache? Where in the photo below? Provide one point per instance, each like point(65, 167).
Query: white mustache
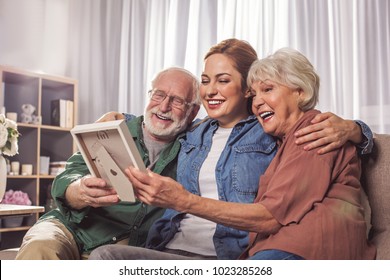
point(168, 115)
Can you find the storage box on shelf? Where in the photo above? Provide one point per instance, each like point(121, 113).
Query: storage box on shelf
point(39, 138)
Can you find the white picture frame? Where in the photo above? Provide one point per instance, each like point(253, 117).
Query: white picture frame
point(108, 149)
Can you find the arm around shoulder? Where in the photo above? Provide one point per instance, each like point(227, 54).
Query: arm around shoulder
point(367, 142)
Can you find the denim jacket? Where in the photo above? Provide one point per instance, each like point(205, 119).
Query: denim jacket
point(245, 157)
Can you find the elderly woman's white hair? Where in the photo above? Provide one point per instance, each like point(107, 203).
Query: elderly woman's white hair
point(292, 69)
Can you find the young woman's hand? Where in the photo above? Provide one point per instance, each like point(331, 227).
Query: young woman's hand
point(329, 132)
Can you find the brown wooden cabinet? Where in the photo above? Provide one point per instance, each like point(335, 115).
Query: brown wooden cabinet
point(39, 138)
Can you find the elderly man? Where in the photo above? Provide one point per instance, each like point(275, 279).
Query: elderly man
point(89, 214)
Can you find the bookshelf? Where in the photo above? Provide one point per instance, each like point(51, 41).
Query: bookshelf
point(39, 138)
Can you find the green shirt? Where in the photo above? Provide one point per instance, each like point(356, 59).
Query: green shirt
point(93, 227)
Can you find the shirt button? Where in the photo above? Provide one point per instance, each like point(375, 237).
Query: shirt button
point(135, 227)
point(114, 239)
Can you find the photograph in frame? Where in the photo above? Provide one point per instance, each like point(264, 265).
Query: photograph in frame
point(108, 149)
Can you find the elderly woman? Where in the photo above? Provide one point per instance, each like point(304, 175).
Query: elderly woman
point(315, 199)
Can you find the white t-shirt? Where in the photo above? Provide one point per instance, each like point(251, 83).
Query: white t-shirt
point(196, 234)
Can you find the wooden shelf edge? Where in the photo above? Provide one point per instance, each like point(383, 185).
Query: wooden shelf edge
point(43, 126)
point(12, 229)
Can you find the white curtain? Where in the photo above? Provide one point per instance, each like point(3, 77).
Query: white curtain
point(114, 47)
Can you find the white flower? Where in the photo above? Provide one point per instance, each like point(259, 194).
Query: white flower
point(8, 136)
point(3, 135)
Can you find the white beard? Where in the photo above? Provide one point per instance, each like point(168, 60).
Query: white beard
point(159, 130)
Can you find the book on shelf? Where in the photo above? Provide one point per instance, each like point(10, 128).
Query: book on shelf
point(62, 113)
point(69, 114)
point(44, 163)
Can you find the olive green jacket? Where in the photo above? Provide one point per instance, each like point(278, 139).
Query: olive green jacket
point(93, 227)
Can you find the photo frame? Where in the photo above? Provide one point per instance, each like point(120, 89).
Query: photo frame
point(108, 149)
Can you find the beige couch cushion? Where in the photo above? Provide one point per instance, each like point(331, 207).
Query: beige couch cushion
point(376, 182)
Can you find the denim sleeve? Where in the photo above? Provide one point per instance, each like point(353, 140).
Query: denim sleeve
point(367, 144)
point(128, 117)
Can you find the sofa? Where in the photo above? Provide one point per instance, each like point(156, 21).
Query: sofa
point(376, 183)
point(376, 197)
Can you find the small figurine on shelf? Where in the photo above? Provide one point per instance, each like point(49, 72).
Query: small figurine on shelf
point(28, 115)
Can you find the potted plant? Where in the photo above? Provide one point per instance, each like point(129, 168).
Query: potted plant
point(8, 146)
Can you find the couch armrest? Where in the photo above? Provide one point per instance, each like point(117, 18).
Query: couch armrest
point(376, 183)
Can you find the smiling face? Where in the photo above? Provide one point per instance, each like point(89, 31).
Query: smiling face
point(276, 106)
point(163, 121)
point(221, 91)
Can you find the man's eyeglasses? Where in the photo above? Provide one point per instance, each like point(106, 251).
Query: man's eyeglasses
point(159, 96)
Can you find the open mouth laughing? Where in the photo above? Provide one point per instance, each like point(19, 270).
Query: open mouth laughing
point(266, 115)
point(162, 117)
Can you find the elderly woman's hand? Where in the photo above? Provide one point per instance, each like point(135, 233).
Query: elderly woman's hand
point(329, 132)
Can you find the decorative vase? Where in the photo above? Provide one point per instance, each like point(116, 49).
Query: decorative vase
point(11, 222)
point(3, 176)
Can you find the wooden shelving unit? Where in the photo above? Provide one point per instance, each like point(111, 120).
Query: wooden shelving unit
point(39, 139)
